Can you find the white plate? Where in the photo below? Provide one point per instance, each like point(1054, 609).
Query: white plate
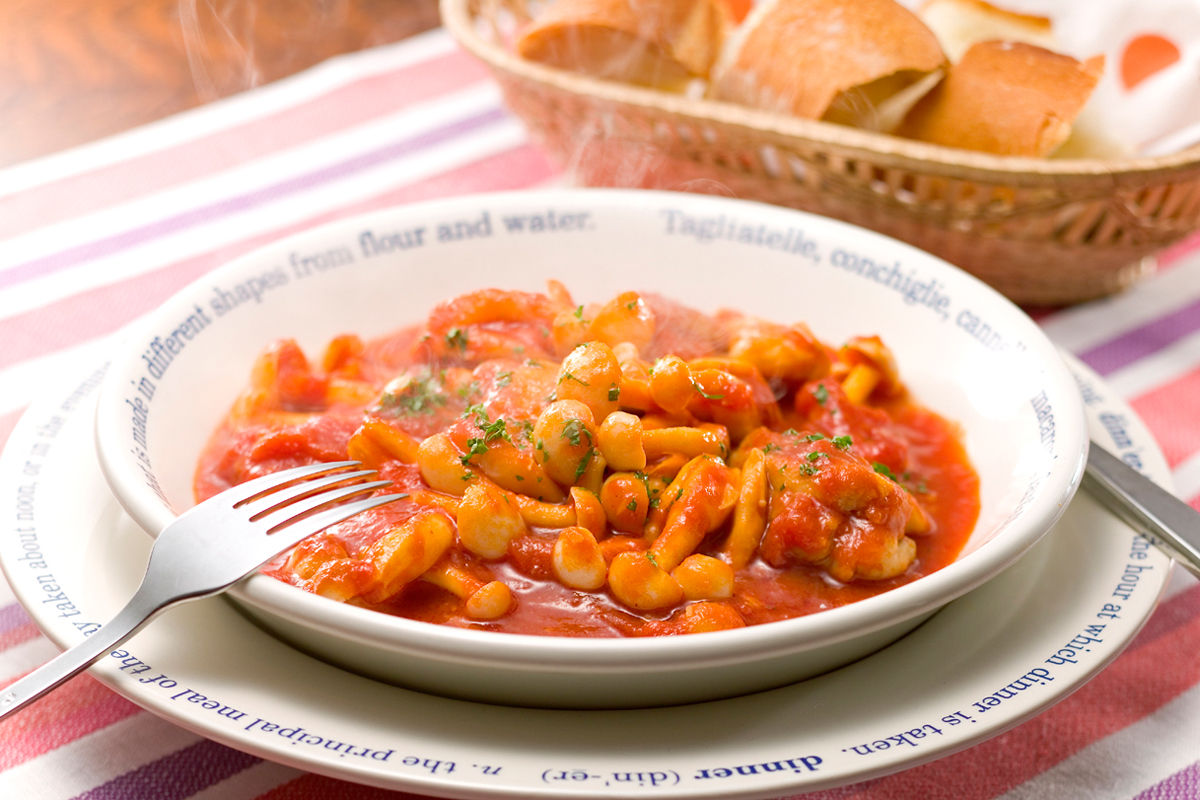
point(985, 663)
point(963, 349)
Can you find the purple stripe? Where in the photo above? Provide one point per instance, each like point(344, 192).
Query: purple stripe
point(12, 616)
point(177, 776)
point(1141, 342)
point(1183, 785)
point(108, 246)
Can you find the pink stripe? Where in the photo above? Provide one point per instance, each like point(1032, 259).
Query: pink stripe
point(1173, 254)
point(319, 787)
point(1170, 412)
point(104, 310)
point(18, 634)
point(343, 107)
point(8, 421)
point(80, 706)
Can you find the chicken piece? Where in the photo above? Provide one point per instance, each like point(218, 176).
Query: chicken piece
point(831, 508)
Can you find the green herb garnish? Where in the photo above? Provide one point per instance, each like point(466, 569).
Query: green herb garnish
point(885, 471)
point(456, 339)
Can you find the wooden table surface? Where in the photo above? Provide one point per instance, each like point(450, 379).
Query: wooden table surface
point(72, 71)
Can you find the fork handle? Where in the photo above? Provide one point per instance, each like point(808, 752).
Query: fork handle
point(1173, 525)
point(136, 613)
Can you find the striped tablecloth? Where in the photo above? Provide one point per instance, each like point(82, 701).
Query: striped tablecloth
point(94, 237)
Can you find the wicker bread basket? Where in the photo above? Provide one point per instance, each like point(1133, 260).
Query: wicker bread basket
point(1043, 232)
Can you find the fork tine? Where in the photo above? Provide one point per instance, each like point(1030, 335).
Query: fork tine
point(264, 504)
point(278, 517)
point(250, 489)
point(291, 533)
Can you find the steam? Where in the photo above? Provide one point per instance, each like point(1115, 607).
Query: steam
point(199, 55)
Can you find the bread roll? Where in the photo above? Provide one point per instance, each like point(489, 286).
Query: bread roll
point(838, 60)
point(1008, 98)
point(958, 24)
point(658, 43)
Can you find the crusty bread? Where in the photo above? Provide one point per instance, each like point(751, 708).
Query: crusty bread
point(657, 43)
point(826, 59)
point(1008, 98)
point(958, 24)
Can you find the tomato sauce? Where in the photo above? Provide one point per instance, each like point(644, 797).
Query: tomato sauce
point(632, 468)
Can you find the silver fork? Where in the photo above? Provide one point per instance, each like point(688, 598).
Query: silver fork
point(212, 546)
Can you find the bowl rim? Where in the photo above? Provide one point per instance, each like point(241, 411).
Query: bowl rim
point(542, 653)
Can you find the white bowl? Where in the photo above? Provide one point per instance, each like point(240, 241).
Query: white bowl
point(963, 350)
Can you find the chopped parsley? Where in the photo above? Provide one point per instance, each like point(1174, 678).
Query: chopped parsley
point(842, 442)
point(491, 432)
point(705, 394)
point(651, 494)
point(821, 394)
point(814, 437)
point(574, 431)
point(885, 471)
point(614, 392)
point(475, 447)
point(456, 339)
point(566, 376)
point(417, 396)
point(770, 448)
point(503, 379)
point(495, 430)
point(919, 488)
point(579, 313)
point(632, 505)
point(583, 463)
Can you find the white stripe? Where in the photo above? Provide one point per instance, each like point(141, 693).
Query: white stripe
point(95, 759)
point(1127, 762)
point(1158, 369)
point(1180, 581)
point(1187, 477)
point(202, 238)
point(228, 113)
point(23, 382)
point(24, 657)
point(250, 783)
point(1085, 326)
